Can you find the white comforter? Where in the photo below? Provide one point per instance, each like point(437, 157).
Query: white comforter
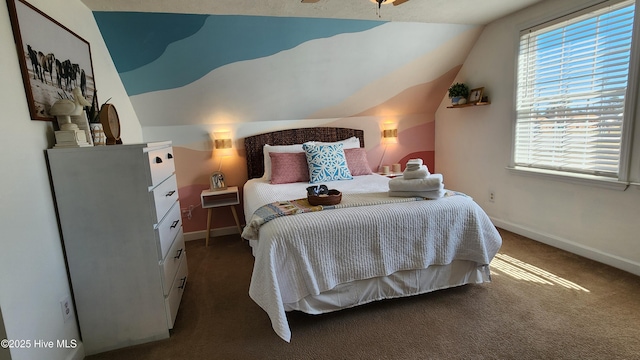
point(309, 253)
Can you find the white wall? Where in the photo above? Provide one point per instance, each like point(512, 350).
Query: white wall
point(33, 277)
point(473, 147)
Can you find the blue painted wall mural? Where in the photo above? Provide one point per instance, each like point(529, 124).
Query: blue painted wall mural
point(217, 40)
point(190, 75)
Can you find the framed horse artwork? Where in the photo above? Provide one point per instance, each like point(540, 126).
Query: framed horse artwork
point(53, 59)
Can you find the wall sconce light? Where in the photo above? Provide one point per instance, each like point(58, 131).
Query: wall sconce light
point(390, 136)
point(222, 144)
point(222, 140)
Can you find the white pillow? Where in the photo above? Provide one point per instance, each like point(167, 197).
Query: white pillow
point(280, 149)
point(350, 143)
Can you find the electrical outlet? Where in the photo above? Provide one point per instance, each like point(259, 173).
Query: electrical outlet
point(188, 213)
point(67, 310)
point(492, 196)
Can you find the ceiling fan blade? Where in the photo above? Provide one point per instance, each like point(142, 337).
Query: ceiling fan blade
point(399, 2)
point(309, 1)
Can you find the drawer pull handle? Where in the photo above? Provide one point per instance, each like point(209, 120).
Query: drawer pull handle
point(158, 160)
point(183, 281)
point(179, 254)
point(171, 193)
point(169, 156)
point(174, 224)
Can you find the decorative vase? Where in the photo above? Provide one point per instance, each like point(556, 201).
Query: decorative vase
point(455, 100)
point(462, 101)
point(98, 135)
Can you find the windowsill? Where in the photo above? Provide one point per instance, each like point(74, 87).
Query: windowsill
point(580, 179)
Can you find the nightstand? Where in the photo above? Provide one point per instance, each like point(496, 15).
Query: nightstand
point(213, 199)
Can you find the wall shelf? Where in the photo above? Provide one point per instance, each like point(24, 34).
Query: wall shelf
point(467, 105)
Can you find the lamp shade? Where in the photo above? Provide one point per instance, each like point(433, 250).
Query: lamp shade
point(222, 140)
point(391, 133)
point(222, 144)
point(390, 136)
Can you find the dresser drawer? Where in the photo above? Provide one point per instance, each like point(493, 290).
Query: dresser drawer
point(172, 302)
point(161, 164)
point(167, 230)
point(171, 262)
point(164, 197)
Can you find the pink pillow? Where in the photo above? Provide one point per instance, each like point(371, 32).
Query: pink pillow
point(289, 167)
point(357, 161)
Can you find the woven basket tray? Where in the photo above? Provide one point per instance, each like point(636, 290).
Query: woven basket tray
point(333, 198)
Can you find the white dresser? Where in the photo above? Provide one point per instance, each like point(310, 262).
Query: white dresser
point(120, 219)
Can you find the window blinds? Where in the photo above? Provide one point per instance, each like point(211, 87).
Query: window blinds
point(572, 81)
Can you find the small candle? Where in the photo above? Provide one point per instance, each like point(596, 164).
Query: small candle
point(396, 168)
point(385, 169)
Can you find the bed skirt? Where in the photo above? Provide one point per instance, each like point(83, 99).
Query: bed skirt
point(399, 284)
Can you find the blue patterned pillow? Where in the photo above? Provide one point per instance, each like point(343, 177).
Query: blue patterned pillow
point(326, 162)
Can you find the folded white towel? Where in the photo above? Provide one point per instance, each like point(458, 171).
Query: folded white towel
point(420, 173)
point(431, 182)
point(413, 164)
point(435, 194)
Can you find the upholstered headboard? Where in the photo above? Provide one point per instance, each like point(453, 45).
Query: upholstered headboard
point(254, 144)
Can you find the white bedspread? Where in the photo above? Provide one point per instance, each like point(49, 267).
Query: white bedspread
point(309, 253)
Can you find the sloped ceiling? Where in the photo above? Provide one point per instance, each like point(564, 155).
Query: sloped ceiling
point(470, 12)
point(277, 68)
point(231, 61)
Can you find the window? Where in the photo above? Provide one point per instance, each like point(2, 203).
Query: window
point(572, 86)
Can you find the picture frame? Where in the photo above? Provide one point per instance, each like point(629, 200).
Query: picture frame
point(53, 59)
point(475, 95)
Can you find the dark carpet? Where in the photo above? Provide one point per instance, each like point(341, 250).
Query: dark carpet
point(542, 303)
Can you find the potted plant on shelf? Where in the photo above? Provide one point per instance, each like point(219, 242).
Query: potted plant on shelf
point(93, 114)
point(458, 93)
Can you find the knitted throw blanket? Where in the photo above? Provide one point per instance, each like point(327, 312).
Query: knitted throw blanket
point(278, 209)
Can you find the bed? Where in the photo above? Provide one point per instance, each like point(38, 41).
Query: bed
point(374, 247)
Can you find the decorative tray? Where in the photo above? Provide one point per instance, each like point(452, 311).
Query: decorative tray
point(332, 198)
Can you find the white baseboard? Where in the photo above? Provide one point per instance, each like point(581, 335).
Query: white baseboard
point(201, 234)
point(570, 246)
